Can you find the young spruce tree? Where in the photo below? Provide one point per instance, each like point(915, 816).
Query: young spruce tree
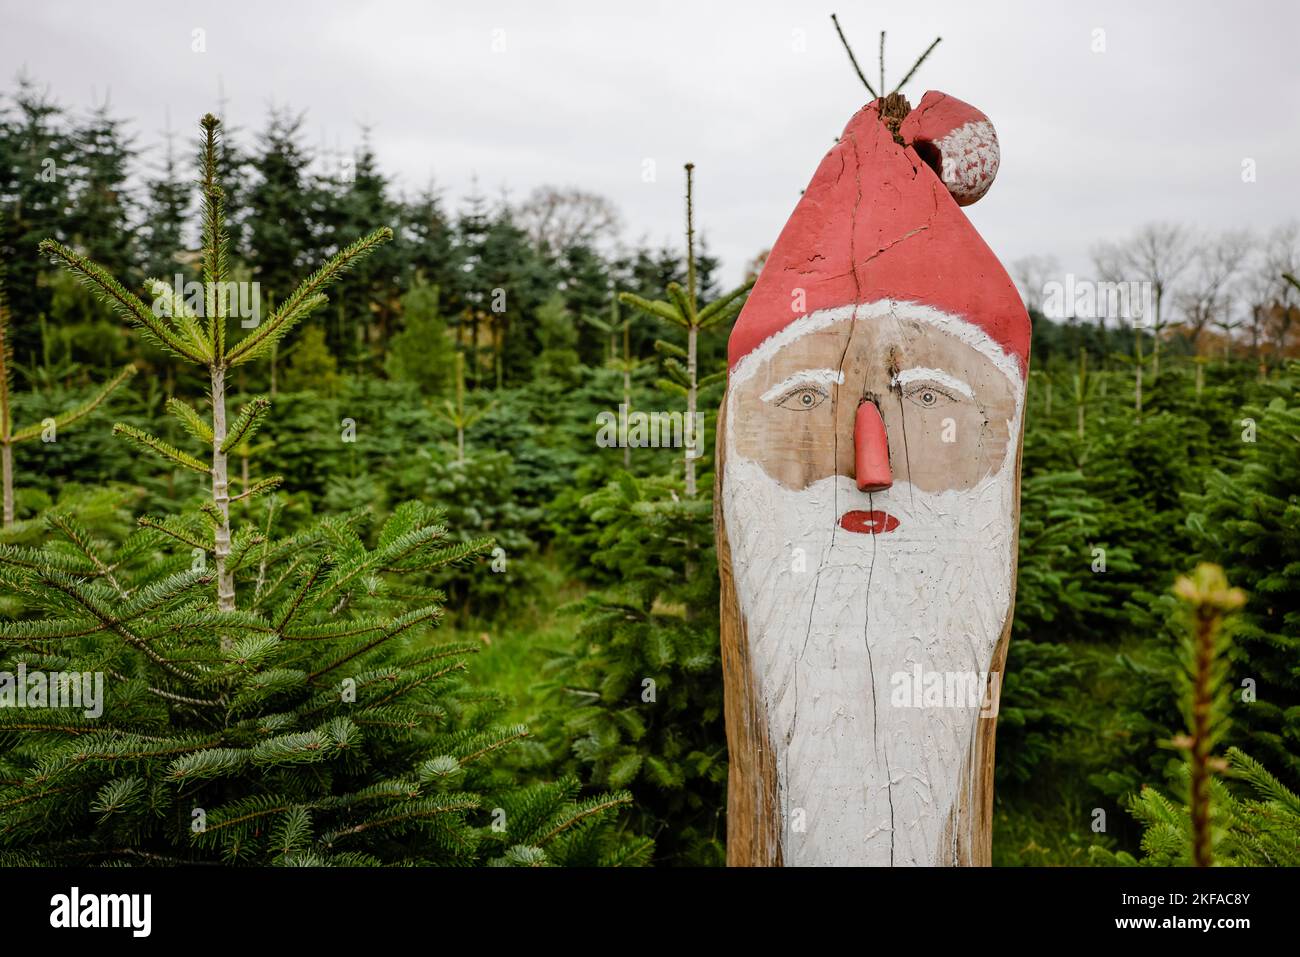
point(1214, 825)
point(51, 425)
point(643, 684)
point(279, 704)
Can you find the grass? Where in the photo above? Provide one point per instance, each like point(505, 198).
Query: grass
point(516, 648)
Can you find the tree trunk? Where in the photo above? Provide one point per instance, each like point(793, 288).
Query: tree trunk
point(1081, 399)
point(221, 494)
point(6, 420)
point(7, 458)
point(692, 336)
point(460, 408)
point(1137, 372)
point(1155, 333)
point(828, 764)
point(473, 345)
point(627, 393)
point(500, 343)
point(1199, 783)
point(691, 450)
point(360, 341)
point(275, 348)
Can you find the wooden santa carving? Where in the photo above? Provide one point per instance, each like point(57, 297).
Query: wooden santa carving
point(868, 506)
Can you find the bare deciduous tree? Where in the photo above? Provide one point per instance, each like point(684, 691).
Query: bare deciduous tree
point(1031, 273)
point(1259, 290)
point(1271, 302)
point(1281, 259)
point(1206, 295)
point(558, 217)
point(1158, 253)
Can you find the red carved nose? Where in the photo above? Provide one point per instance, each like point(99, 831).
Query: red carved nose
point(871, 449)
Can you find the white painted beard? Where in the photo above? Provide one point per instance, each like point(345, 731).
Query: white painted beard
point(860, 780)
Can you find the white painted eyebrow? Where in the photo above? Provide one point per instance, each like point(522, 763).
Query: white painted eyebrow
point(804, 377)
point(937, 376)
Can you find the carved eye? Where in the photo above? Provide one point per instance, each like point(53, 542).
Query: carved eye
point(802, 399)
point(929, 396)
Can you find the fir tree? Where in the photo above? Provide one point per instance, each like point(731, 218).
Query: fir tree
point(1260, 828)
point(684, 311)
point(502, 280)
point(611, 329)
point(49, 427)
point(1208, 601)
point(311, 364)
point(281, 239)
point(641, 689)
point(558, 336)
point(455, 413)
point(38, 167)
point(584, 278)
point(425, 231)
point(422, 352)
point(643, 683)
point(1212, 825)
point(1248, 519)
point(281, 706)
point(162, 242)
point(626, 363)
point(355, 195)
point(469, 296)
point(103, 207)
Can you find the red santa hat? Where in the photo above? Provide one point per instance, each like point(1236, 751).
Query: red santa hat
point(881, 220)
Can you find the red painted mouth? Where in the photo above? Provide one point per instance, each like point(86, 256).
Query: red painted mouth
point(874, 522)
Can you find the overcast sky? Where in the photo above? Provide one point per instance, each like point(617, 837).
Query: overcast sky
point(519, 94)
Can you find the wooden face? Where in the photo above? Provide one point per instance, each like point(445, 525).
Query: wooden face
point(847, 591)
point(946, 407)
